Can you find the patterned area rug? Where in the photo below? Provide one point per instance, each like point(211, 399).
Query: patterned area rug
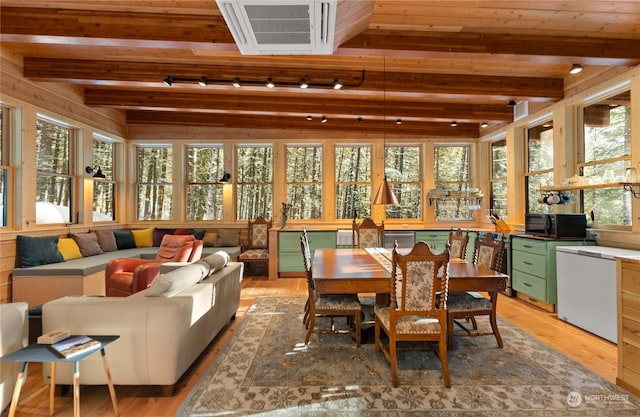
point(266, 370)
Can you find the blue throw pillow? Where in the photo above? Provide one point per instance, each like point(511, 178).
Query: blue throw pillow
point(198, 234)
point(34, 251)
point(124, 239)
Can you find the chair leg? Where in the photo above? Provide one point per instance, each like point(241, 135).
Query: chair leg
point(450, 319)
point(393, 358)
point(310, 325)
point(376, 334)
point(358, 326)
point(494, 327)
point(474, 322)
point(443, 361)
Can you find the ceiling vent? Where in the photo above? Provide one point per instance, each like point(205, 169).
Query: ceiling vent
point(281, 27)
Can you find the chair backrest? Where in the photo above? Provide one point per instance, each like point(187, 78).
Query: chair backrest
point(259, 233)
point(176, 248)
point(458, 242)
point(488, 252)
point(306, 257)
point(369, 234)
point(416, 285)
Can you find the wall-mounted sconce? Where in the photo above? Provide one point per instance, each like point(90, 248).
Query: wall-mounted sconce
point(270, 82)
point(225, 177)
point(98, 172)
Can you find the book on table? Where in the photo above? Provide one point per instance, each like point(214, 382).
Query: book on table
point(75, 345)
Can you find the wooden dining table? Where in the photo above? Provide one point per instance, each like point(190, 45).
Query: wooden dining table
point(338, 271)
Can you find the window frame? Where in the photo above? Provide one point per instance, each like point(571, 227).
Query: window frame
point(297, 211)
point(268, 185)
point(217, 170)
point(162, 185)
point(353, 184)
point(463, 186)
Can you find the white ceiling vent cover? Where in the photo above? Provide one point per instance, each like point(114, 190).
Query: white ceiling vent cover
point(281, 27)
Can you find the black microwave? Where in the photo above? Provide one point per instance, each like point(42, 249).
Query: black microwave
point(556, 226)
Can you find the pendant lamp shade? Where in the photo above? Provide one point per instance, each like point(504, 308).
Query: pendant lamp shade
point(385, 194)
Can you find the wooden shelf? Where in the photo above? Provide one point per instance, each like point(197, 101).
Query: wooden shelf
point(586, 186)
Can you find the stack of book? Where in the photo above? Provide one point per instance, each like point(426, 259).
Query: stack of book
point(68, 346)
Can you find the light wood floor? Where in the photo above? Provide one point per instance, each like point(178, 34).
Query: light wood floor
point(597, 354)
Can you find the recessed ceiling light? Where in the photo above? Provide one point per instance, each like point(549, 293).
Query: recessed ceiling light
point(269, 83)
point(399, 121)
point(236, 82)
point(484, 124)
point(454, 123)
point(303, 83)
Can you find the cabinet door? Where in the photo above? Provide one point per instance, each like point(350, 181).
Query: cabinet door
point(436, 239)
point(290, 254)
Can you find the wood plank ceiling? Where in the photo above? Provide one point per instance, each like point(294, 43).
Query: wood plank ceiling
point(426, 63)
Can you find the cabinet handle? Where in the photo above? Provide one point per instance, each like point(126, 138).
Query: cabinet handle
point(527, 263)
point(526, 284)
point(528, 246)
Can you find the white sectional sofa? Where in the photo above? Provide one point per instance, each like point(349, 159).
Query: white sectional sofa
point(160, 336)
point(14, 335)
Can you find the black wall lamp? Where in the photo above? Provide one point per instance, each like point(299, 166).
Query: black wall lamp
point(269, 82)
point(98, 172)
point(225, 177)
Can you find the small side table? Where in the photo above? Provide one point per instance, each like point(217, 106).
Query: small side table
point(44, 353)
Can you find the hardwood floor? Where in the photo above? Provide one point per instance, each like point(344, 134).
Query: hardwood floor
point(596, 354)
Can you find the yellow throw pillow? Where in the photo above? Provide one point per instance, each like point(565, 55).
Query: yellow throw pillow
point(143, 237)
point(69, 248)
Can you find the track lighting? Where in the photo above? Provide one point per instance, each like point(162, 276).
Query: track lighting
point(309, 118)
point(398, 121)
point(454, 123)
point(511, 103)
point(237, 82)
point(359, 120)
point(324, 119)
point(575, 68)
point(484, 124)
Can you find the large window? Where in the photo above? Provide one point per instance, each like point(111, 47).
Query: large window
point(154, 185)
point(402, 169)
point(203, 194)
point(54, 182)
point(498, 194)
point(104, 189)
point(4, 165)
point(452, 183)
point(607, 154)
point(254, 173)
point(353, 181)
point(539, 165)
point(304, 181)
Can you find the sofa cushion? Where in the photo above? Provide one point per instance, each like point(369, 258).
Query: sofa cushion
point(106, 240)
point(158, 234)
point(228, 237)
point(143, 237)
point(69, 248)
point(34, 251)
point(215, 261)
point(124, 239)
point(88, 243)
point(198, 234)
point(172, 283)
point(210, 239)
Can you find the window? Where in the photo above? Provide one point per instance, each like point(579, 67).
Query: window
point(402, 169)
point(104, 190)
point(254, 175)
point(539, 166)
point(4, 165)
point(353, 181)
point(452, 182)
point(607, 153)
point(304, 181)
point(154, 184)
point(205, 168)
point(54, 183)
point(498, 195)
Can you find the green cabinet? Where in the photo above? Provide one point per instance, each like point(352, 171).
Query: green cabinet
point(533, 267)
point(289, 253)
point(437, 240)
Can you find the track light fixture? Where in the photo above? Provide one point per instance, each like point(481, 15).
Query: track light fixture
point(484, 124)
point(454, 123)
point(309, 117)
point(575, 68)
point(511, 104)
point(398, 121)
point(302, 82)
point(324, 119)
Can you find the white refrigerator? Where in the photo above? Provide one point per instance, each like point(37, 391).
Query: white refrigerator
point(586, 279)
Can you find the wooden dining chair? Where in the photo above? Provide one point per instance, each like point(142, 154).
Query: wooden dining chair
point(468, 305)
point(327, 305)
point(367, 234)
point(257, 247)
point(414, 313)
point(458, 242)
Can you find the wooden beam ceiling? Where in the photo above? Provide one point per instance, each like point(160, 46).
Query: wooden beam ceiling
point(425, 62)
